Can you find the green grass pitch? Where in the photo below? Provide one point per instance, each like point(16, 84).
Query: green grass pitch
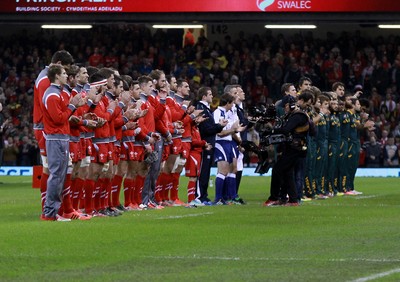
point(349, 238)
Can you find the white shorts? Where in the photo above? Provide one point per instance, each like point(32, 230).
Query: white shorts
point(239, 165)
point(45, 162)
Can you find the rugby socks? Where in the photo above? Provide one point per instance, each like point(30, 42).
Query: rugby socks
point(89, 191)
point(131, 187)
point(116, 190)
point(128, 191)
point(160, 187)
point(66, 200)
point(105, 190)
point(191, 189)
point(77, 188)
point(168, 187)
point(107, 201)
point(238, 180)
point(97, 194)
point(139, 183)
point(82, 195)
point(230, 186)
point(175, 186)
point(219, 186)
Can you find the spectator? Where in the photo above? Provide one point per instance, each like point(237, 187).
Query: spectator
point(12, 79)
point(259, 93)
point(189, 38)
point(390, 154)
point(293, 73)
point(380, 77)
point(384, 138)
point(1, 133)
point(373, 153)
point(396, 131)
point(26, 151)
point(96, 59)
point(274, 79)
point(10, 152)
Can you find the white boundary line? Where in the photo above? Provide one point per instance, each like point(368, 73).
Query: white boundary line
point(184, 215)
point(378, 275)
point(275, 259)
point(365, 197)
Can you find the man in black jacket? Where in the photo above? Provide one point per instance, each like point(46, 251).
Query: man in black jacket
point(208, 129)
point(243, 135)
point(296, 127)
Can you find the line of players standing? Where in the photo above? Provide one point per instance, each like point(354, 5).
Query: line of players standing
point(333, 143)
point(105, 132)
point(100, 132)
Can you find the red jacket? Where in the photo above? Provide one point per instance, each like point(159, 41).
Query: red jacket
point(159, 109)
point(102, 134)
point(116, 113)
point(56, 111)
point(80, 128)
point(41, 84)
point(197, 143)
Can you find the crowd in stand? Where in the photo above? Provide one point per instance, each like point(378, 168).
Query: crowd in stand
point(260, 63)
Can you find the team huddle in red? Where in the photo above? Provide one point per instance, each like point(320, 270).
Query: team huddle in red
point(101, 132)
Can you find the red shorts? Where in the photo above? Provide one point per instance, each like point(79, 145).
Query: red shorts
point(176, 147)
point(138, 153)
point(111, 151)
point(116, 154)
point(127, 151)
point(193, 164)
point(83, 147)
point(100, 153)
point(75, 151)
point(166, 151)
point(124, 153)
point(88, 147)
point(186, 146)
point(41, 141)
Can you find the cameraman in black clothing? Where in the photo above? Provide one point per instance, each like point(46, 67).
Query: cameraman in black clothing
point(295, 128)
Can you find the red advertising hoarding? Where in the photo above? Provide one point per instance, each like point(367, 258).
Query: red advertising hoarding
point(164, 6)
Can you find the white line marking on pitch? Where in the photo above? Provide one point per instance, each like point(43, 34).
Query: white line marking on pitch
point(378, 275)
point(272, 259)
point(185, 215)
point(364, 197)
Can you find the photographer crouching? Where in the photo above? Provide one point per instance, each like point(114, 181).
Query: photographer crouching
point(296, 127)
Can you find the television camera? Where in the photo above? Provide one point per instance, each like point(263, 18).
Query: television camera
point(265, 120)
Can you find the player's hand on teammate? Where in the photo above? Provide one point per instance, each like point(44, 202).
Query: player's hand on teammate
point(223, 122)
point(178, 124)
point(112, 105)
point(131, 114)
point(78, 100)
point(91, 116)
point(199, 119)
point(148, 148)
point(101, 122)
point(74, 119)
point(131, 125)
point(90, 123)
point(241, 128)
point(125, 97)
